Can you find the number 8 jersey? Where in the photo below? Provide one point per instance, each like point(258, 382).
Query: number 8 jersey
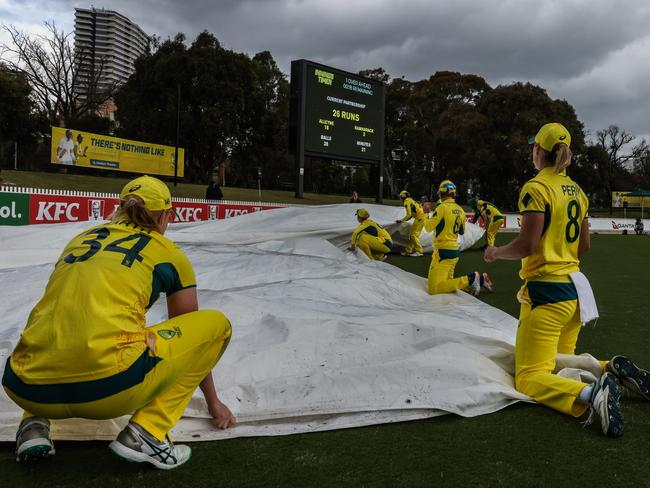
point(564, 206)
point(90, 322)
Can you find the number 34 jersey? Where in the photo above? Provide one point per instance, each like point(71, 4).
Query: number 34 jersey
point(90, 323)
point(564, 206)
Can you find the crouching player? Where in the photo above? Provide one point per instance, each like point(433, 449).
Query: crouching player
point(556, 298)
point(370, 237)
point(448, 222)
point(86, 352)
point(492, 219)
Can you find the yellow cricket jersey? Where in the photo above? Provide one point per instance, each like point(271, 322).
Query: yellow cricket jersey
point(413, 209)
point(489, 213)
point(373, 228)
point(448, 222)
point(90, 322)
point(564, 206)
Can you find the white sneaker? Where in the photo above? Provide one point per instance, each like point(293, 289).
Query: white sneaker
point(416, 254)
point(136, 445)
point(605, 404)
point(33, 440)
point(475, 288)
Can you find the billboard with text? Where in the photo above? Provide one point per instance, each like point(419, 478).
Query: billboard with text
point(77, 148)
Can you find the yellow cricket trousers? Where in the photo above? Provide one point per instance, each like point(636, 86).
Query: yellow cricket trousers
point(549, 323)
point(158, 386)
point(374, 247)
point(441, 272)
point(491, 231)
point(414, 237)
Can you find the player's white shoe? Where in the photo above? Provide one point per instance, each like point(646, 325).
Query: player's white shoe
point(416, 254)
point(33, 440)
point(136, 445)
point(475, 288)
point(605, 404)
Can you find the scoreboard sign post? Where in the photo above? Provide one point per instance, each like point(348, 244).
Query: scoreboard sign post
point(336, 115)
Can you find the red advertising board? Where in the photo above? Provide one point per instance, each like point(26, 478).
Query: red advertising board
point(50, 209)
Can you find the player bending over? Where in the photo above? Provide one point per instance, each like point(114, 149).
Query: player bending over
point(492, 219)
point(556, 298)
point(414, 211)
point(87, 353)
point(370, 237)
point(448, 222)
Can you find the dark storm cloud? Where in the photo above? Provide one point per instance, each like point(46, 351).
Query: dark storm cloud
point(577, 49)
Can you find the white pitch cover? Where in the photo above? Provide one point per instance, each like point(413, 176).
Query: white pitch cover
point(322, 338)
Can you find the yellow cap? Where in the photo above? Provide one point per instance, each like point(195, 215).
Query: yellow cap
point(447, 186)
point(154, 193)
point(363, 213)
point(550, 135)
point(404, 194)
point(480, 203)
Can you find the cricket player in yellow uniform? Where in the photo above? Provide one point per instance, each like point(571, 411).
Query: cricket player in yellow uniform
point(554, 233)
point(86, 351)
point(448, 222)
point(413, 211)
point(492, 219)
point(370, 237)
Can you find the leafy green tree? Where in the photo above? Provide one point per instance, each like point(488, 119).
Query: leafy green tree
point(21, 126)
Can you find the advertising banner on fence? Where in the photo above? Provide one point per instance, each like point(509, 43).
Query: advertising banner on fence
point(76, 148)
point(45, 208)
point(14, 209)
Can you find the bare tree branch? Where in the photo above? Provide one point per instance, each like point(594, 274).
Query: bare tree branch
point(66, 83)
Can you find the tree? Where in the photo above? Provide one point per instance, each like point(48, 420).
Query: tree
point(20, 124)
point(614, 141)
point(515, 113)
point(232, 107)
point(63, 86)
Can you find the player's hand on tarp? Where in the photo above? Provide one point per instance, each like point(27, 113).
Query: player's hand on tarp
point(222, 417)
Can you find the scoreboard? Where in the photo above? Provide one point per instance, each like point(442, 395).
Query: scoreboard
point(336, 114)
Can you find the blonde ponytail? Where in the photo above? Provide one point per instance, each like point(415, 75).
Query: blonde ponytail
point(132, 208)
point(561, 157)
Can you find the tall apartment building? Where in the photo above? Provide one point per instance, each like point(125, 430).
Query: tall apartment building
point(106, 40)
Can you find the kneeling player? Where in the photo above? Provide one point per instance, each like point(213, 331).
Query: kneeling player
point(448, 222)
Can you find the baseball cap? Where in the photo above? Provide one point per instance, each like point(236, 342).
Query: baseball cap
point(404, 194)
point(154, 193)
point(447, 186)
point(363, 213)
point(550, 135)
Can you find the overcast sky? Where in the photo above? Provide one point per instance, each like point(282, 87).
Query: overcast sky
point(593, 53)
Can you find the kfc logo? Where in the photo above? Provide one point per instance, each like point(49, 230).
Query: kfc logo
point(212, 214)
point(235, 212)
point(188, 214)
point(57, 211)
point(95, 209)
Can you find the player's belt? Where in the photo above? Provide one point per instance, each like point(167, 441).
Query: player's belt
point(549, 292)
point(81, 391)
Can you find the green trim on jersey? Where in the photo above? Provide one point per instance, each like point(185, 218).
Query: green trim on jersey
point(546, 292)
point(448, 254)
point(81, 391)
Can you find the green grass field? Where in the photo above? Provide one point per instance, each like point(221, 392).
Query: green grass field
point(520, 446)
